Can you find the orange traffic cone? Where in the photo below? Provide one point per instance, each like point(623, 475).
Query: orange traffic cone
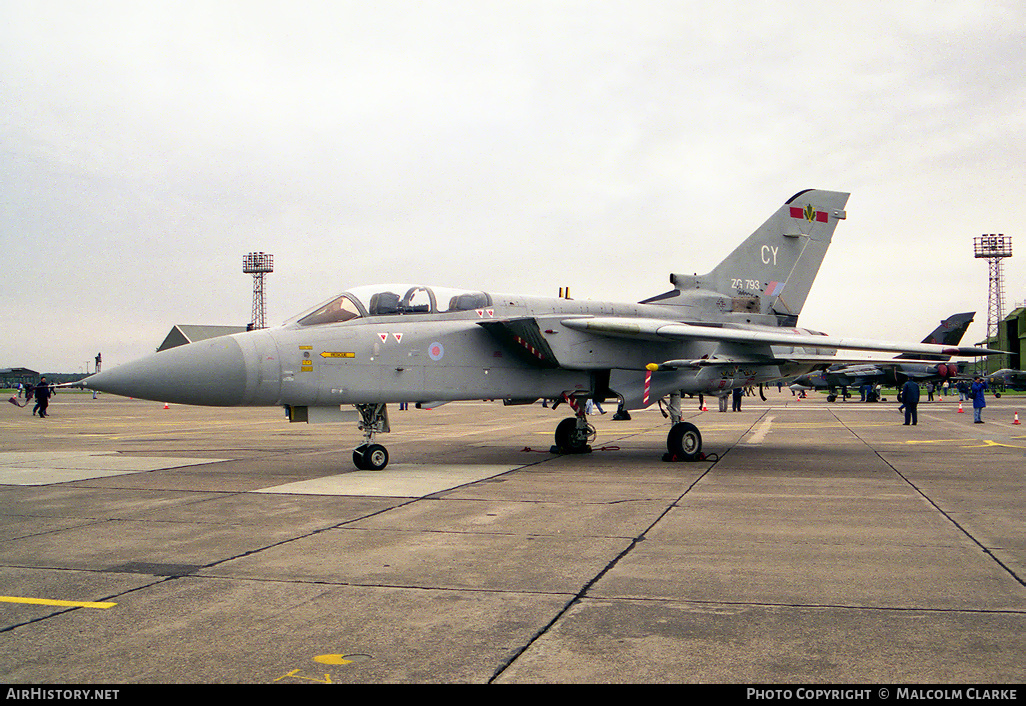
point(960, 410)
point(166, 406)
point(704, 408)
point(1016, 420)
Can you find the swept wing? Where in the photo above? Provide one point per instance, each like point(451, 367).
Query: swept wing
point(656, 329)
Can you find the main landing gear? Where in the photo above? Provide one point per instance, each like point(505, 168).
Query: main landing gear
point(369, 456)
point(832, 395)
point(573, 435)
point(683, 443)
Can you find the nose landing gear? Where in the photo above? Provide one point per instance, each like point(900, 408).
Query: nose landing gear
point(369, 456)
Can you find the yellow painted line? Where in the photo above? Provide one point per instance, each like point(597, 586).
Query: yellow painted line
point(48, 601)
point(295, 674)
point(983, 443)
point(988, 442)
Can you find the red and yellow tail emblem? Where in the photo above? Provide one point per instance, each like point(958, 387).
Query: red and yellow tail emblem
point(810, 214)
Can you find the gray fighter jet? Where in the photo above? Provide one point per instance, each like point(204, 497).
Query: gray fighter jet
point(1006, 378)
point(374, 345)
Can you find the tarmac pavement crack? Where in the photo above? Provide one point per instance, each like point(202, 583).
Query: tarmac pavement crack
point(311, 533)
point(582, 594)
point(937, 507)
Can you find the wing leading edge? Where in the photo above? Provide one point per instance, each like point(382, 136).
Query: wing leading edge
point(657, 329)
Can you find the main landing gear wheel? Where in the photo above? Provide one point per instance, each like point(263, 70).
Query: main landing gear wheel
point(370, 457)
point(683, 443)
point(570, 438)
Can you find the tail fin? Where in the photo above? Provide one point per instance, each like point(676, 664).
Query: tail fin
point(772, 271)
point(949, 333)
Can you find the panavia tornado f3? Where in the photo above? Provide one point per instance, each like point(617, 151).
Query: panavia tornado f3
point(374, 345)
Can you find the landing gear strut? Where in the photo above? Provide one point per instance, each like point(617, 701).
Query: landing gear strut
point(369, 456)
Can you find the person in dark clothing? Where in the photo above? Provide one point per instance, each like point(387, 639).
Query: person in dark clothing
point(976, 394)
point(42, 397)
point(736, 395)
point(910, 399)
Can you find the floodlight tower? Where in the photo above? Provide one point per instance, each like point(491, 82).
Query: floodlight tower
point(258, 264)
point(995, 248)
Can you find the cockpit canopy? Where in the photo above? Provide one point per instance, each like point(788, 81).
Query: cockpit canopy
point(395, 300)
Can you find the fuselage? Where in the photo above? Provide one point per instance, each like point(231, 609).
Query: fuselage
point(891, 375)
point(420, 344)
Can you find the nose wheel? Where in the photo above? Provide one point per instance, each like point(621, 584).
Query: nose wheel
point(370, 457)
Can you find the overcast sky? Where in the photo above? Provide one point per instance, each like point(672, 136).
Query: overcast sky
point(519, 146)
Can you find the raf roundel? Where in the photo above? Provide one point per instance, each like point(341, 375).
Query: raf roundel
point(436, 351)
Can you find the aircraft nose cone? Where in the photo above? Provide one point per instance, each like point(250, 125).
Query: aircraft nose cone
point(211, 372)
